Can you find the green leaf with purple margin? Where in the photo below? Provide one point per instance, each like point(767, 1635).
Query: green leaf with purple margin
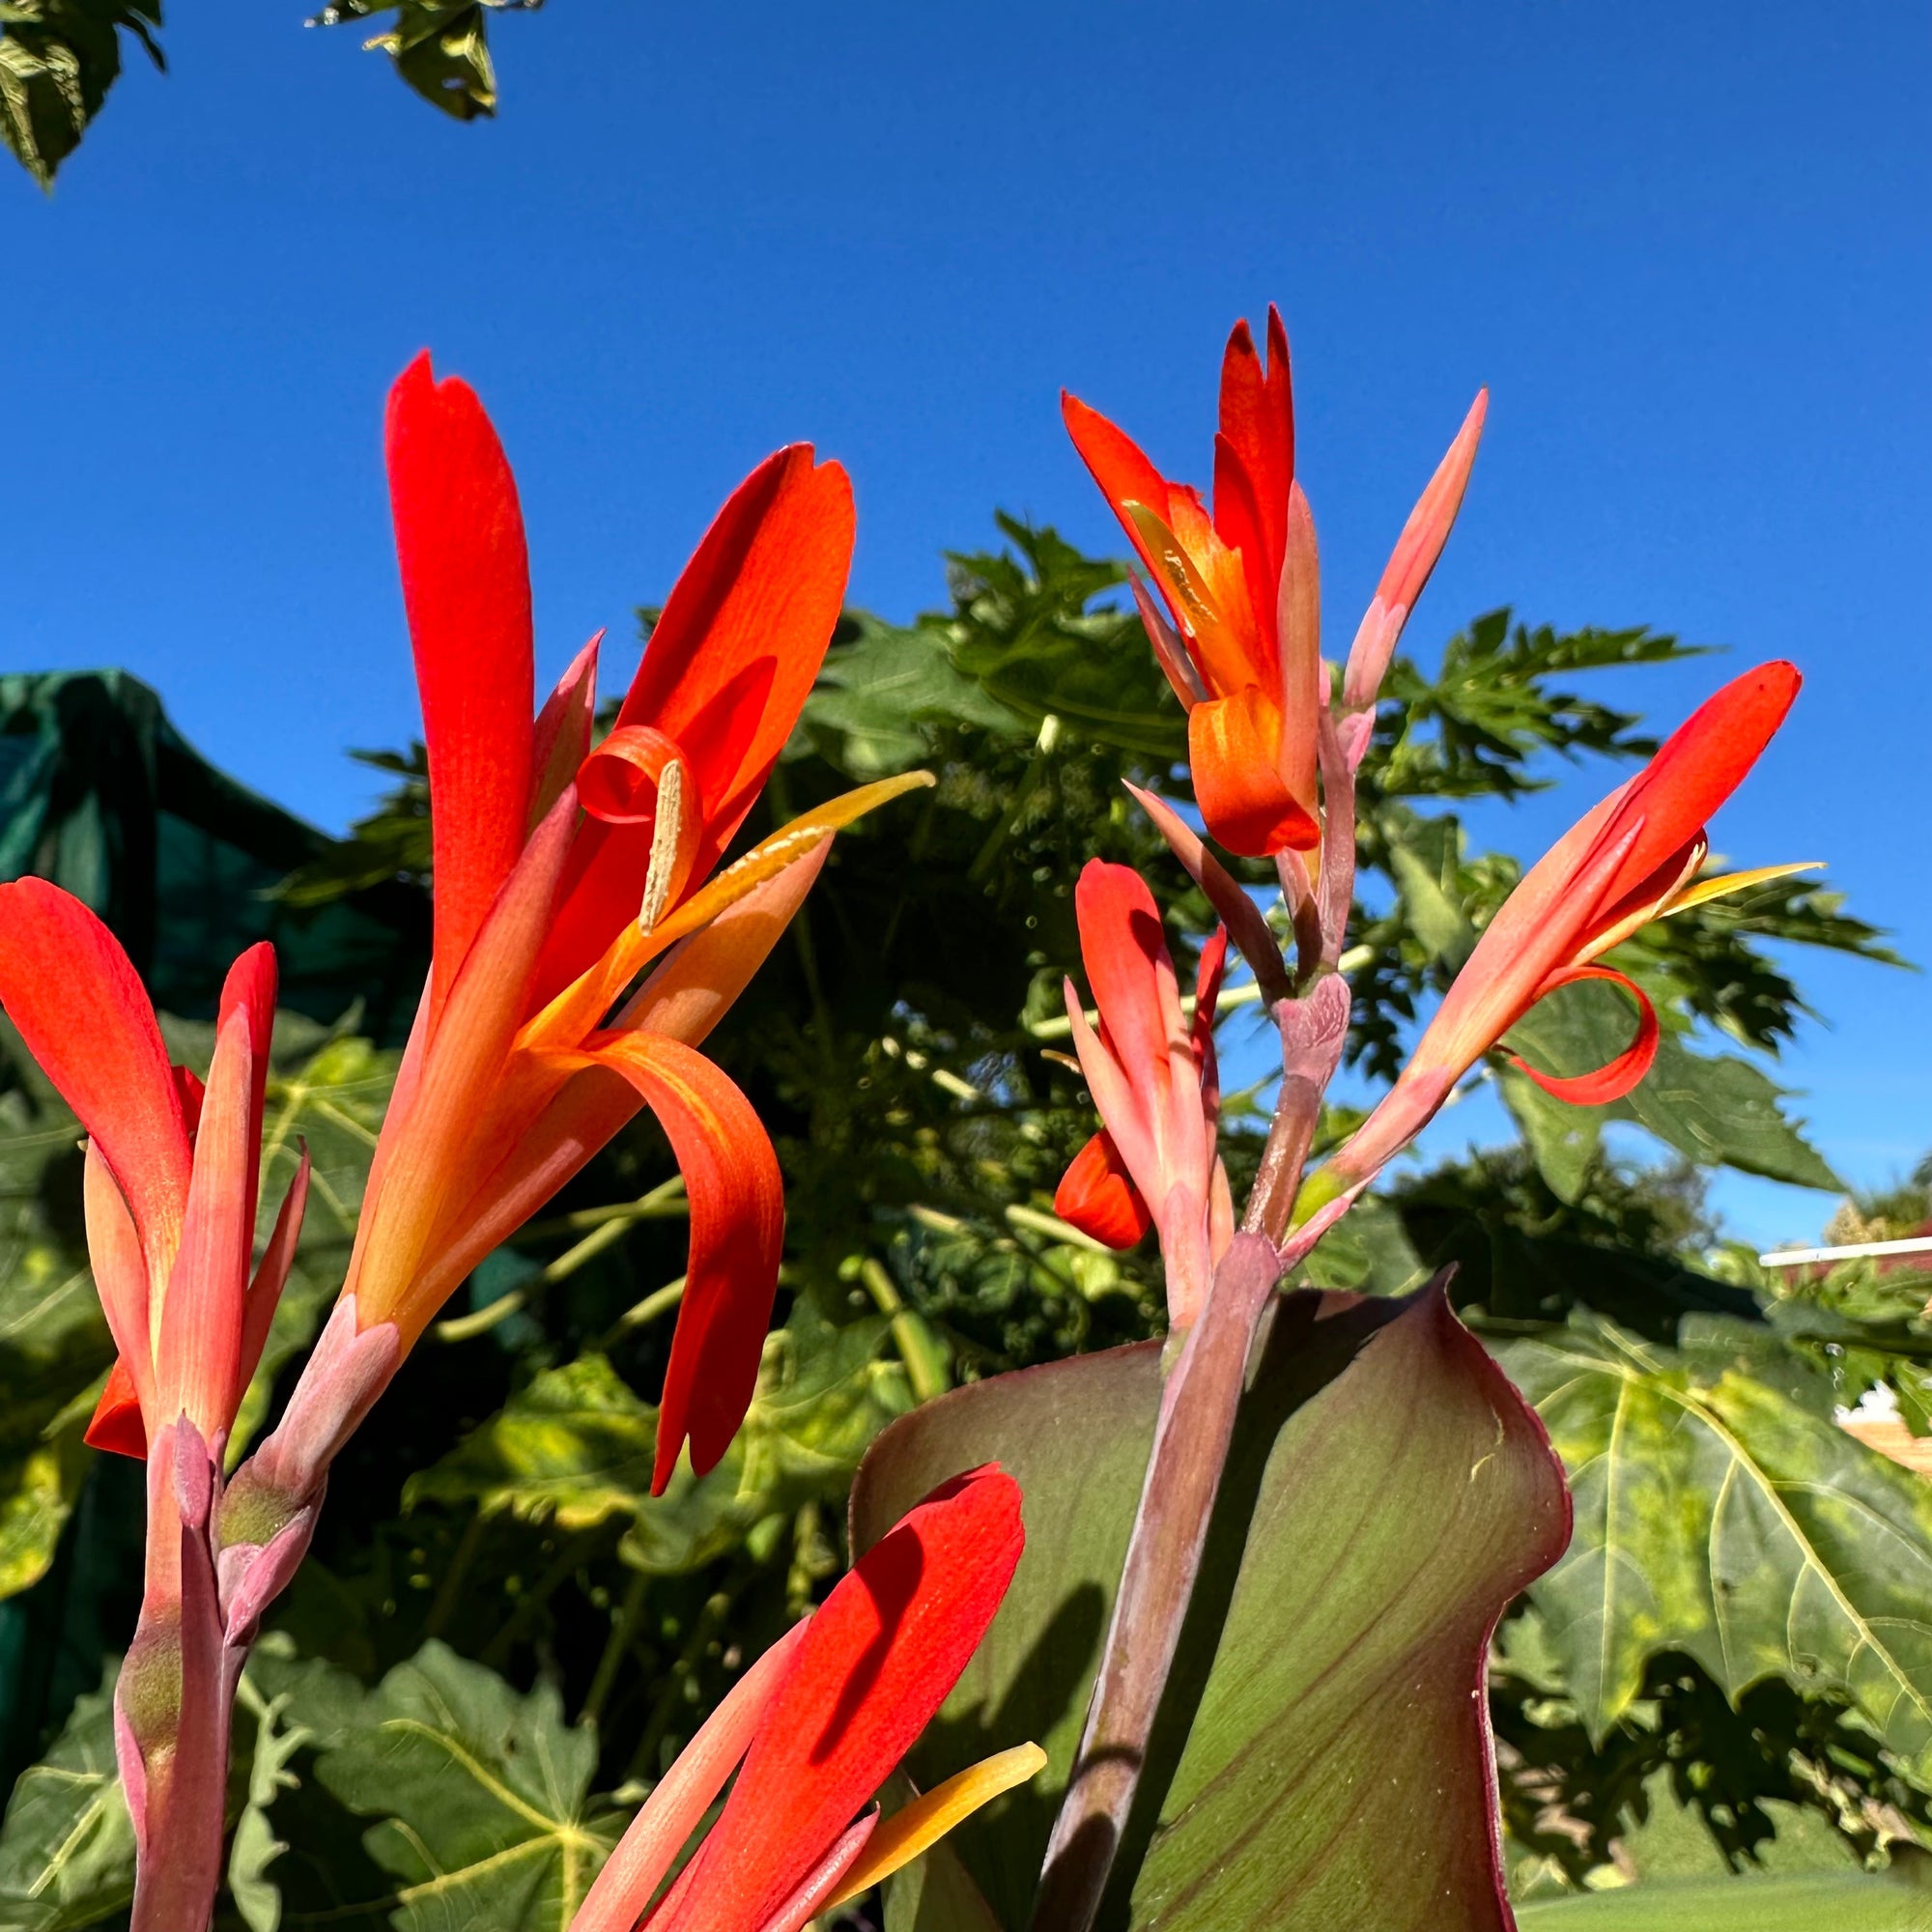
point(1324, 1759)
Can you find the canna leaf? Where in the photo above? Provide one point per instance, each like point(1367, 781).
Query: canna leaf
point(1281, 1803)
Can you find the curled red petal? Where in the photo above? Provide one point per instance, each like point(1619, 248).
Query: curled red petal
point(724, 676)
point(737, 1231)
point(466, 593)
point(1097, 1195)
point(873, 1668)
point(1616, 1077)
point(1234, 748)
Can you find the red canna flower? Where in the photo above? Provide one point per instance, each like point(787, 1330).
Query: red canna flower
point(1156, 1085)
point(1241, 639)
point(820, 1721)
point(172, 1169)
point(561, 872)
point(170, 1183)
point(1633, 859)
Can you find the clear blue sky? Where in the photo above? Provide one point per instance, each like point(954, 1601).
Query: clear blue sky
point(1687, 247)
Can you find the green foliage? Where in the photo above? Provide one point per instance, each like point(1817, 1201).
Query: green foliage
point(440, 47)
point(1898, 1901)
point(58, 58)
point(1717, 1111)
point(502, 1558)
point(1722, 1512)
point(575, 1449)
point(66, 1849)
point(481, 1796)
point(1284, 1796)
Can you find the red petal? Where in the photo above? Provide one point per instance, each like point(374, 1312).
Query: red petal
point(1414, 557)
point(1208, 974)
point(724, 676)
point(1234, 748)
point(1257, 431)
point(466, 590)
point(1122, 471)
point(873, 1666)
point(685, 998)
point(1098, 1196)
point(271, 1273)
point(1698, 768)
point(250, 987)
point(1613, 1080)
point(1129, 966)
point(200, 1341)
point(737, 1230)
point(681, 1797)
point(117, 1426)
point(560, 738)
point(1239, 522)
point(428, 1160)
point(79, 1005)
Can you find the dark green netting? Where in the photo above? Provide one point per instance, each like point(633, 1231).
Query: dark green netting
point(102, 794)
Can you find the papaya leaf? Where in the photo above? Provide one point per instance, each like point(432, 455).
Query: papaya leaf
point(54, 1343)
point(481, 1798)
point(574, 1448)
point(879, 687)
point(1891, 1901)
point(1717, 1111)
point(1724, 1514)
point(1023, 631)
point(440, 47)
point(1563, 1141)
point(1329, 1619)
point(58, 58)
point(66, 1849)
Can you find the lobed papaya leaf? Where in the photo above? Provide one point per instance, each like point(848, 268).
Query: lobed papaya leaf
point(1722, 1512)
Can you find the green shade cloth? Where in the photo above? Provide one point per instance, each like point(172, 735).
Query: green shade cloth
point(99, 793)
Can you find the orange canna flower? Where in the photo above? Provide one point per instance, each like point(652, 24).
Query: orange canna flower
point(172, 1168)
point(561, 873)
point(1633, 859)
point(1241, 639)
point(820, 1721)
point(1156, 1085)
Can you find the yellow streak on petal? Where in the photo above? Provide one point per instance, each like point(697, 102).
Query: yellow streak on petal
point(1227, 664)
point(1706, 890)
point(584, 1003)
point(903, 1836)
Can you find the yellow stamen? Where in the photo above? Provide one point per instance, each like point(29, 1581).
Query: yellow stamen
point(1706, 890)
point(1205, 615)
point(907, 1833)
point(584, 1003)
point(666, 835)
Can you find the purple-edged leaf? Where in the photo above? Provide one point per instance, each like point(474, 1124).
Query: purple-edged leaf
point(1322, 1760)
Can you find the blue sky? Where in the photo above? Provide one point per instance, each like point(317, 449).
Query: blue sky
point(1686, 248)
